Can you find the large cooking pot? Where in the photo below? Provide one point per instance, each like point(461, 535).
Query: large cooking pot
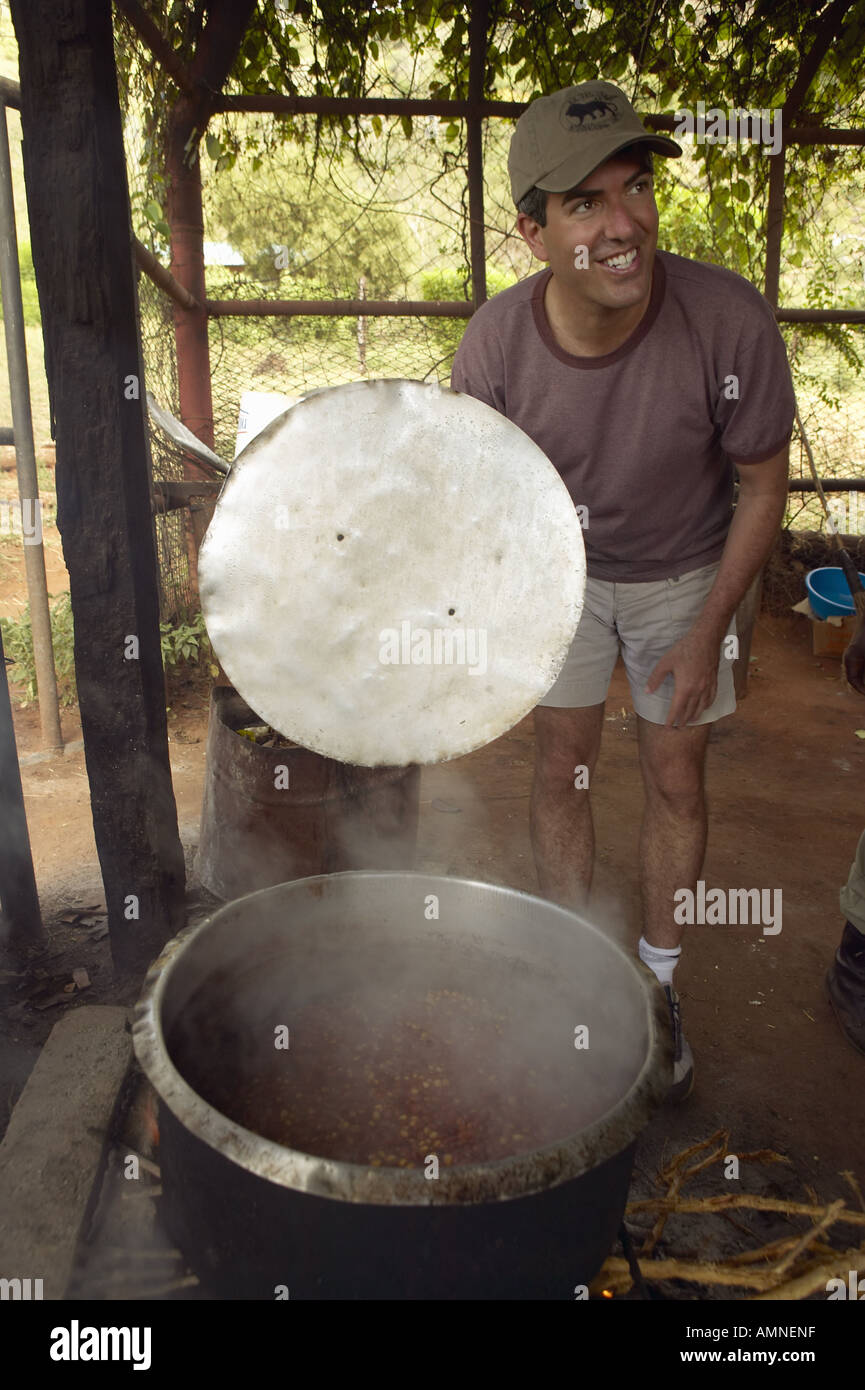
point(580, 1061)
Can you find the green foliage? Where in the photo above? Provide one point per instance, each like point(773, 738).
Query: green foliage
point(29, 295)
point(185, 641)
point(300, 241)
point(740, 55)
point(180, 642)
point(18, 644)
point(452, 284)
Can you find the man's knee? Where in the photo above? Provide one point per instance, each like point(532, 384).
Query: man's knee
point(567, 743)
point(682, 799)
point(673, 766)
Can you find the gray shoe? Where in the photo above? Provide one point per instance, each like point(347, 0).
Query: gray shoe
point(683, 1061)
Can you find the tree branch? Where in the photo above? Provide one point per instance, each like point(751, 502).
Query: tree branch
point(159, 46)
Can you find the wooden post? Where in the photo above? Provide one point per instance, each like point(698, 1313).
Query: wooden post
point(77, 196)
point(774, 226)
point(749, 609)
point(186, 219)
point(227, 21)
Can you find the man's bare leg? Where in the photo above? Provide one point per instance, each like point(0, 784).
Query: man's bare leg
point(560, 814)
point(673, 834)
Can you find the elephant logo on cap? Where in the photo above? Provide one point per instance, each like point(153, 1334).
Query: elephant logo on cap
point(596, 110)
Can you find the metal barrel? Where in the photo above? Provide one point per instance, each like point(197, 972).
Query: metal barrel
point(275, 814)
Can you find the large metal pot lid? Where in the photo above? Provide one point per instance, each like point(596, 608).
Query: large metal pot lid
point(393, 573)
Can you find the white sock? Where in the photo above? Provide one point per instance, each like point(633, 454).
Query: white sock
point(661, 959)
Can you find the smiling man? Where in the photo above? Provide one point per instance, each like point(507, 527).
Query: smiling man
point(646, 378)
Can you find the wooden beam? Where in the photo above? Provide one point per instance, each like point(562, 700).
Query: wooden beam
point(828, 485)
point(820, 315)
point(439, 308)
point(366, 106)
point(828, 31)
point(461, 110)
point(227, 22)
point(334, 308)
point(162, 276)
point(810, 132)
point(73, 147)
point(169, 494)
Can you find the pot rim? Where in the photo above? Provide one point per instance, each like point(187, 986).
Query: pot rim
point(497, 1180)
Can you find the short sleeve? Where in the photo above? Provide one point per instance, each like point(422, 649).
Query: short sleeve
point(477, 367)
point(755, 410)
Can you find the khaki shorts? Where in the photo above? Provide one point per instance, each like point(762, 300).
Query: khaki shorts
point(643, 621)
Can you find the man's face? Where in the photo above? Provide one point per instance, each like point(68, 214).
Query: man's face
point(610, 212)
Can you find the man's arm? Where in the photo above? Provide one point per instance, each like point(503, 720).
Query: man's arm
point(759, 511)
point(693, 661)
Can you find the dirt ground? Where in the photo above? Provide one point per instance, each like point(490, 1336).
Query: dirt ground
point(785, 787)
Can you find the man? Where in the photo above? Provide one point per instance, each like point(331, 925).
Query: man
point(644, 377)
point(845, 978)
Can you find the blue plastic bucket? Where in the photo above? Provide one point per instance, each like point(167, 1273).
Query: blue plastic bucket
point(829, 593)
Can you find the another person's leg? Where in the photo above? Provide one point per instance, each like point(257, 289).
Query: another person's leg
point(845, 979)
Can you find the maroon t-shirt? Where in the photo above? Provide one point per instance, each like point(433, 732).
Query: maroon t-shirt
point(644, 437)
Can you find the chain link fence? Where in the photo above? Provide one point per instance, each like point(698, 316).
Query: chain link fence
point(294, 355)
point(396, 226)
point(171, 528)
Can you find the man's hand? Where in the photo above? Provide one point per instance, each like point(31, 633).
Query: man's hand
point(854, 661)
point(693, 664)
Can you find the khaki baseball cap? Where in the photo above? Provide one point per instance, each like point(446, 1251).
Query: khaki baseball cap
point(559, 139)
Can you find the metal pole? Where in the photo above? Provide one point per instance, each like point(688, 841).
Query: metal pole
point(474, 142)
point(347, 308)
point(439, 308)
point(25, 456)
point(775, 227)
point(361, 329)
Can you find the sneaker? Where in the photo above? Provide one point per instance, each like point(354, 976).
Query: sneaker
point(683, 1061)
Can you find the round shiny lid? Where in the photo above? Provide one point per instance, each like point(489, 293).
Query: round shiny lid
point(393, 573)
